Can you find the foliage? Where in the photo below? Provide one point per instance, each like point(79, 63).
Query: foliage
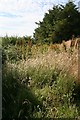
point(18, 100)
point(13, 48)
point(41, 86)
point(58, 24)
point(47, 93)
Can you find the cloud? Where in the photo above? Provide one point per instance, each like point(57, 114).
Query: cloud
point(6, 14)
point(18, 17)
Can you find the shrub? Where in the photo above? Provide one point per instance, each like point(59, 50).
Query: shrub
point(18, 100)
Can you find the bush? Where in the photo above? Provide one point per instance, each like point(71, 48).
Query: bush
point(18, 101)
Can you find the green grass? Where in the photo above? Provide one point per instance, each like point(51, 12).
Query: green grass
point(48, 93)
point(40, 86)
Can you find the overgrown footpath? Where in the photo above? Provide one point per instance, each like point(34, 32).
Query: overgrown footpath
point(42, 85)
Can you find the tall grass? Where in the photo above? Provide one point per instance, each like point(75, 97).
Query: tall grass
point(49, 91)
point(44, 85)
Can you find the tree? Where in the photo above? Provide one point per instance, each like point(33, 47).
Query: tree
point(58, 24)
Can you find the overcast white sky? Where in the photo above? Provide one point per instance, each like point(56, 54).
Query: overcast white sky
point(18, 17)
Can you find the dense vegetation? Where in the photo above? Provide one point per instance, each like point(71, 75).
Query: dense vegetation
point(59, 23)
point(41, 80)
point(39, 86)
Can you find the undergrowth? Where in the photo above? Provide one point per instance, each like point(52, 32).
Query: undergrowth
point(43, 85)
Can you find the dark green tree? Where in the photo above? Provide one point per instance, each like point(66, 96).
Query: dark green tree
point(59, 23)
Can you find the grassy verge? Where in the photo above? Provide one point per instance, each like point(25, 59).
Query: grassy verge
point(42, 86)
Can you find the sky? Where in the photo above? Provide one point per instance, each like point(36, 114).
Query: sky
point(18, 17)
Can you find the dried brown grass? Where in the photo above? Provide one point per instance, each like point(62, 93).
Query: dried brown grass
point(64, 61)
